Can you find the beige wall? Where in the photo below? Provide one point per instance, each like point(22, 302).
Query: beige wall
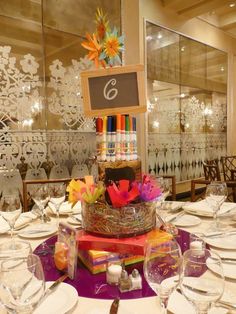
point(134, 14)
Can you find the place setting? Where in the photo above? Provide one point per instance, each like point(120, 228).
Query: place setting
point(183, 220)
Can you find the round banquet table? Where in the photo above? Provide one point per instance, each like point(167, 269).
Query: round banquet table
point(95, 296)
point(95, 286)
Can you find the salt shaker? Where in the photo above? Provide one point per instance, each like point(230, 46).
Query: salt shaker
point(136, 280)
point(124, 282)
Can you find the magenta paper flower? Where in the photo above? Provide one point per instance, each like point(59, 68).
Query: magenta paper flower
point(149, 189)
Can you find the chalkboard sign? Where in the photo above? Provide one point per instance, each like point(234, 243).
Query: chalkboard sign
point(114, 90)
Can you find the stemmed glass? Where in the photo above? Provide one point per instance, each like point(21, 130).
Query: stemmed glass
point(216, 194)
point(40, 196)
point(199, 288)
point(10, 210)
point(162, 267)
point(22, 283)
point(164, 187)
point(57, 197)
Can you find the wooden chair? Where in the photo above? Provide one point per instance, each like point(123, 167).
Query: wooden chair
point(172, 178)
point(228, 164)
point(212, 173)
point(26, 183)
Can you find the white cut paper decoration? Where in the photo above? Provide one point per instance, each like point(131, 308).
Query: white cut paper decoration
point(65, 99)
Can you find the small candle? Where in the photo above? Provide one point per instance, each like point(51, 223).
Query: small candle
point(113, 274)
point(197, 246)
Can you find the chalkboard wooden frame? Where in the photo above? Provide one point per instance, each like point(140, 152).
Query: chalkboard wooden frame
point(134, 93)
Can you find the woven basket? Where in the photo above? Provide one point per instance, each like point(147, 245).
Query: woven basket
point(130, 220)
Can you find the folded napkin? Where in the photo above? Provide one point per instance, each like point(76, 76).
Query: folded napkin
point(24, 219)
point(65, 208)
point(202, 208)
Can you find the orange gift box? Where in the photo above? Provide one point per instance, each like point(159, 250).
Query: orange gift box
point(133, 245)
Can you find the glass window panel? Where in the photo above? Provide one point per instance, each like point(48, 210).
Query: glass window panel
point(187, 115)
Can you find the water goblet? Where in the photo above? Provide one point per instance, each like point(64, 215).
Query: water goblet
point(165, 189)
point(22, 283)
point(199, 288)
point(57, 197)
point(216, 194)
point(162, 267)
point(40, 196)
point(10, 210)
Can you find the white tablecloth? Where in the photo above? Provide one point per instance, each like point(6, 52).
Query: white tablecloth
point(177, 303)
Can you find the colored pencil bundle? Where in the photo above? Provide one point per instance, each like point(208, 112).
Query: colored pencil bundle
point(116, 138)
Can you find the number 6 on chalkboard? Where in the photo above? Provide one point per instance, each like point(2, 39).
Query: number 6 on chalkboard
point(114, 90)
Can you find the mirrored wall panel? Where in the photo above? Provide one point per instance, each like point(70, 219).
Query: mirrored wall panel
point(43, 131)
point(187, 108)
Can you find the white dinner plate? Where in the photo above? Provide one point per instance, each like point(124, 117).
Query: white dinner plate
point(187, 221)
point(227, 242)
point(60, 301)
point(38, 231)
point(202, 208)
point(228, 267)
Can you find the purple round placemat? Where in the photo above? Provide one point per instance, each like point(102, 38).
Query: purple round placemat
point(95, 286)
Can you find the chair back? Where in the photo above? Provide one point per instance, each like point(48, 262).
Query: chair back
point(27, 183)
point(212, 171)
point(228, 163)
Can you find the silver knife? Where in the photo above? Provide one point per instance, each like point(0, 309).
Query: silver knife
point(114, 306)
point(32, 231)
point(220, 234)
point(228, 260)
point(176, 217)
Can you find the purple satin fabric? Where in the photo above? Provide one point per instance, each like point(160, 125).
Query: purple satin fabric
point(95, 286)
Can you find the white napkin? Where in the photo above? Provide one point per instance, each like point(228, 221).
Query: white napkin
point(24, 219)
point(66, 208)
point(203, 208)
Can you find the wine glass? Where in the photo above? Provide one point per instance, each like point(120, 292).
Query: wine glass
point(216, 194)
point(164, 187)
point(10, 209)
point(40, 196)
point(199, 288)
point(22, 283)
point(162, 267)
point(57, 197)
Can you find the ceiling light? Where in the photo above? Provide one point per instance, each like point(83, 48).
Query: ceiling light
point(182, 95)
point(222, 69)
point(182, 48)
point(159, 36)
point(149, 37)
point(156, 124)
point(231, 5)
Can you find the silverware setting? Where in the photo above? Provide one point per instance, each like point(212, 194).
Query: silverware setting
point(33, 231)
point(114, 306)
point(229, 260)
point(176, 217)
point(220, 234)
